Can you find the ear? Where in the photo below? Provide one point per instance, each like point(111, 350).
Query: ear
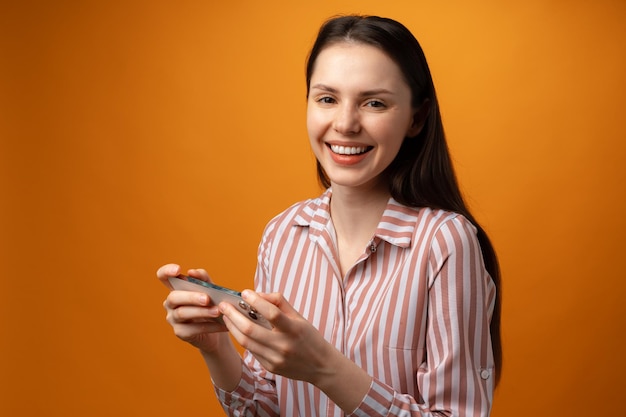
point(419, 119)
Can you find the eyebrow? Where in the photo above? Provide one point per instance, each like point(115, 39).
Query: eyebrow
point(330, 89)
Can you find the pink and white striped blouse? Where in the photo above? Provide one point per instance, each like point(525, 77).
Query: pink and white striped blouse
point(413, 311)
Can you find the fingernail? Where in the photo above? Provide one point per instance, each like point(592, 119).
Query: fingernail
point(245, 294)
point(203, 299)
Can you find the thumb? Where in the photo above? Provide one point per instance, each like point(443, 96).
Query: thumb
point(279, 301)
point(279, 316)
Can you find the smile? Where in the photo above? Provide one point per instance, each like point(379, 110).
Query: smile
point(349, 150)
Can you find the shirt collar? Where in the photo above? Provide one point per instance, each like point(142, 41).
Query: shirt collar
point(396, 226)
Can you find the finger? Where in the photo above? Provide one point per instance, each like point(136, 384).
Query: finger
point(190, 331)
point(167, 271)
point(279, 301)
point(273, 306)
point(200, 274)
point(177, 299)
point(243, 330)
point(273, 297)
point(192, 314)
point(242, 327)
point(259, 341)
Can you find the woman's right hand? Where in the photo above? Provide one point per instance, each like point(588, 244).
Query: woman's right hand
point(189, 313)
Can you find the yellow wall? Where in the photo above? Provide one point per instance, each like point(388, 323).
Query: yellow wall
point(144, 132)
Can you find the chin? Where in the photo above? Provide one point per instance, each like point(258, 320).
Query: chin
point(354, 183)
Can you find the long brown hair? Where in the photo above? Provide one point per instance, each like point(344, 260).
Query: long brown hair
point(422, 174)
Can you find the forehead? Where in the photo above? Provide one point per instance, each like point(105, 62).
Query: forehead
point(356, 63)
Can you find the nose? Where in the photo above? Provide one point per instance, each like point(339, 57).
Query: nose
point(347, 119)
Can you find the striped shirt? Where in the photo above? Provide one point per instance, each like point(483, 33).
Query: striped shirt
point(413, 311)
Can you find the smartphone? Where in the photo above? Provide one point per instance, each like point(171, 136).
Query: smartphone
point(217, 295)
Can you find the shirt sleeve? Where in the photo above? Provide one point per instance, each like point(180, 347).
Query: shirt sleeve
point(255, 394)
point(457, 377)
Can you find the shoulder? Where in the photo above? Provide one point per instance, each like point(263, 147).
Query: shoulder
point(417, 215)
point(440, 220)
point(303, 213)
point(423, 222)
point(425, 227)
point(454, 237)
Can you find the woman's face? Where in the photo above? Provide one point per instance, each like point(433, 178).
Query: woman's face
point(358, 114)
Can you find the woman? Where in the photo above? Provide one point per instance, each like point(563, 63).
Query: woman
point(382, 292)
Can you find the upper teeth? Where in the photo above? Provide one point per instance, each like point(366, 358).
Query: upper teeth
point(348, 150)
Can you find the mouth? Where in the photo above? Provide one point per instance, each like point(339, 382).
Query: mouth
point(349, 150)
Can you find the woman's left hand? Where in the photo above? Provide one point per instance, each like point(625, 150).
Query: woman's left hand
point(293, 348)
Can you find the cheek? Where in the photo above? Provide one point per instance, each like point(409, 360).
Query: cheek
point(391, 132)
point(314, 125)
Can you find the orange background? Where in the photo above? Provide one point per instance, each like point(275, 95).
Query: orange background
point(144, 132)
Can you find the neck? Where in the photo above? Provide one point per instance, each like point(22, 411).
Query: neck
point(356, 213)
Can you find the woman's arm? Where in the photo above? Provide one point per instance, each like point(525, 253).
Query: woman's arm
point(237, 387)
point(193, 320)
point(457, 376)
point(224, 364)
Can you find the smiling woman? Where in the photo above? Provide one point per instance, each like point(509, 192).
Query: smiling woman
point(382, 294)
point(141, 131)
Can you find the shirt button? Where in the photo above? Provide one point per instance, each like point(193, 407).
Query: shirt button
point(485, 374)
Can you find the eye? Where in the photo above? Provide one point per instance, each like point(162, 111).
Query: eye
point(326, 100)
point(375, 104)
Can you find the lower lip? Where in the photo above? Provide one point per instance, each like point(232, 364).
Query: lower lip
point(347, 159)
